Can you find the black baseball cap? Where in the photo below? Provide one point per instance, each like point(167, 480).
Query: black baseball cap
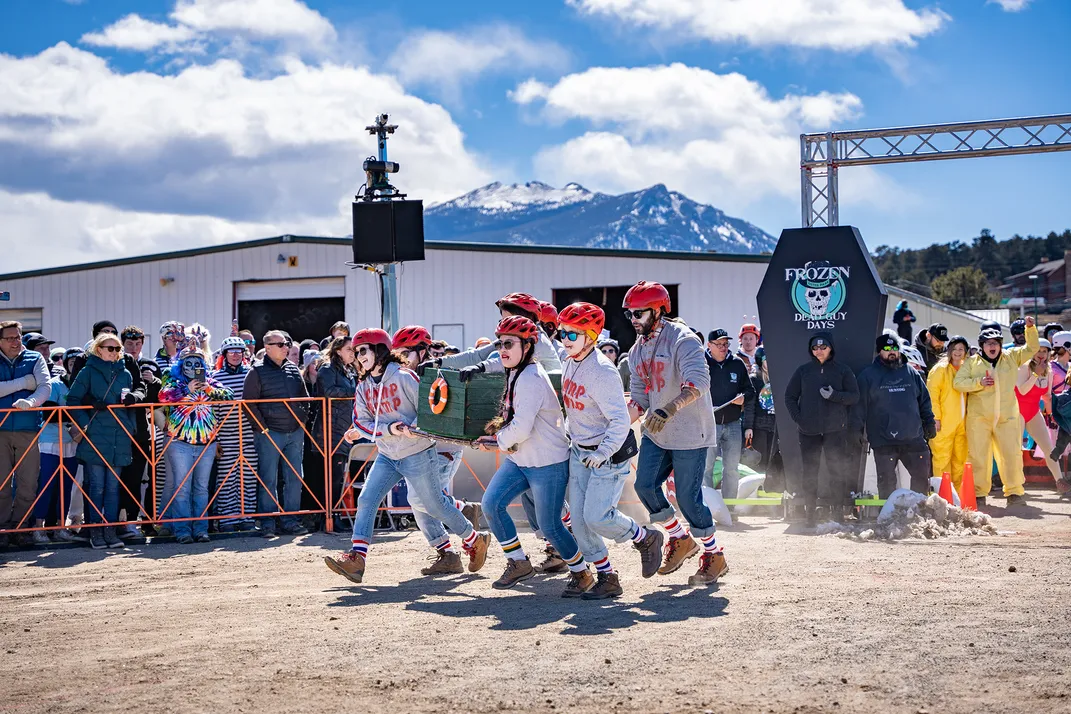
point(939, 332)
point(887, 343)
point(33, 340)
point(718, 334)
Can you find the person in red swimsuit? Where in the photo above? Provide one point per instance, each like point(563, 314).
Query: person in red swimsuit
point(1033, 389)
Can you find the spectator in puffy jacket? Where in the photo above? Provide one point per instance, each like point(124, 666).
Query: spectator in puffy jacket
point(894, 409)
point(337, 381)
point(104, 382)
point(818, 398)
point(764, 424)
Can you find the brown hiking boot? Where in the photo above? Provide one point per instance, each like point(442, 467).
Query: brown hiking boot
point(478, 552)
point(349, 565)
point(609, 586)
point(553, 563)
point(446, 563)
point(1063, 486)
point(650, 549)
point(516, 571)
point(711, 567)
point(474, 513)
point(678, 550)
point(579, 583)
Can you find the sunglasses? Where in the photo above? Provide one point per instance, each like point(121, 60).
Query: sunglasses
point(111, 348)
point(276, 344)
point(365, 350)
point(608, 351)
point(636, 314)
point(819, 347)
point(509, 344)
point(570, 335)
point(890, 348)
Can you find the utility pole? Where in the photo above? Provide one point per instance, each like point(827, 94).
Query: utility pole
point(378, 188)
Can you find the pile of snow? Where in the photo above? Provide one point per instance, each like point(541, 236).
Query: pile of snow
point(907, 514)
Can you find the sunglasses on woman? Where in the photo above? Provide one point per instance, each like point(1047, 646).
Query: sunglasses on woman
point(111, 348)
point(365, 350)
point(637, 314)
point(570, 335)
point(509, 343)
point(608, 351)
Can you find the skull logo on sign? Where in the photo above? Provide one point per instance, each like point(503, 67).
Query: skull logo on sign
point(818, 301)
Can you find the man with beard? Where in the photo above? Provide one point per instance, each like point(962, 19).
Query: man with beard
point(894, 408)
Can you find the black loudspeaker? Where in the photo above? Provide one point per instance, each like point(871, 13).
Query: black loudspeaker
point(388, 231)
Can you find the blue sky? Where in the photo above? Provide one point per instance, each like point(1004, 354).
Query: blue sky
point(128, 126)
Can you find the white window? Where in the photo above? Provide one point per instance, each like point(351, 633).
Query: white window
point(30, 317)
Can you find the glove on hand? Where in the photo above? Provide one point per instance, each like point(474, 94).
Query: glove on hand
point(467, 373)
point(100, 405)
point(129, 399)
point(826, 392)
point(656, 420)
point(930, 430)
point(431, 363)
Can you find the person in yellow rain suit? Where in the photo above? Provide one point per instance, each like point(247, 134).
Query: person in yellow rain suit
point(949, 447)
point(994, 427)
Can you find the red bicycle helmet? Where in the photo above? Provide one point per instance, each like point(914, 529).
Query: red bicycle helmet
point(519, 326)
point(647, 295)
point(585, 317)
point(411, 337)
point(548, 313)
point(522, 301)
point(372, 336)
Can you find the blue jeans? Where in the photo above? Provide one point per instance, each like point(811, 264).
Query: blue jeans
point(103, 491)
point(548, 484)
point(654, 466)
point(594, 494)
point(530, 512)
point(271, 462)
point(432, 529)
point(191, 497)
point(48, 503)
point(730, 444)
point(422, 476)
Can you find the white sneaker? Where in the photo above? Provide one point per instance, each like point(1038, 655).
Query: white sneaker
point(41, 538)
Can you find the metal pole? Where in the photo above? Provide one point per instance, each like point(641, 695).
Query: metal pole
point(389, 277)
point(1034, 280)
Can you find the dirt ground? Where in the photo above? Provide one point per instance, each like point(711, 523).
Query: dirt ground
point(800, 624)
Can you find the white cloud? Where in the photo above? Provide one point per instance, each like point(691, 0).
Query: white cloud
point(259, 18)
point(447, 59)
point(212, 141)
point(136, 33)
point(1010, 5)
point(719, 138)
point(848, 25)
point(229, 21)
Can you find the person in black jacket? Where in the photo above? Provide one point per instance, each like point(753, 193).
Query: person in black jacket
point(764, 425)
point(818, 398)
point(894, 407)
point(902, 318)
point(280, 432)
point(730, 385)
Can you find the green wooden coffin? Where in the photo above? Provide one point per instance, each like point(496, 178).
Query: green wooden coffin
point(469, 405)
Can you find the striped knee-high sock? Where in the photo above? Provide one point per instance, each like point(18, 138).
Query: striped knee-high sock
point(576, 563)
point(603, 565)
point(710, 544)
point(638, 533)
point(360, 547)
point(675, 529)
point(513, 550)
point(567, 519)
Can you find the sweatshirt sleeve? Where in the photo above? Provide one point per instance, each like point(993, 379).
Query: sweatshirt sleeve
point(1023, 354)
point(43, 389)
point(750, 397)
point(410, 386)
point(468, 358)
point(850, 394)
point(692, 364)
point(216, 392)
point(527, 400)
point(363, 418)
point(792, 395)
point(637, 389)
point(611, 400)
point(137, 384)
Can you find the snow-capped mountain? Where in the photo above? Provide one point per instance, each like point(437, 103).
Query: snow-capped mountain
point(537, 214)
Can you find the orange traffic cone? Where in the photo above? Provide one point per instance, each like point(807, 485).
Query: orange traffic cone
point(945, 491)
point(966, 489)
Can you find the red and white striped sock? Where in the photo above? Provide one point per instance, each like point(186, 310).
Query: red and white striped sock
point(567, 519)
point(603, 566)
point(360, 547)
point(446, 546)
point(467, 543)
point(710, 544)
point(675, 529)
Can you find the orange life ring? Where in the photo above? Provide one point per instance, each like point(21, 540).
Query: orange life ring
point(438, 395)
